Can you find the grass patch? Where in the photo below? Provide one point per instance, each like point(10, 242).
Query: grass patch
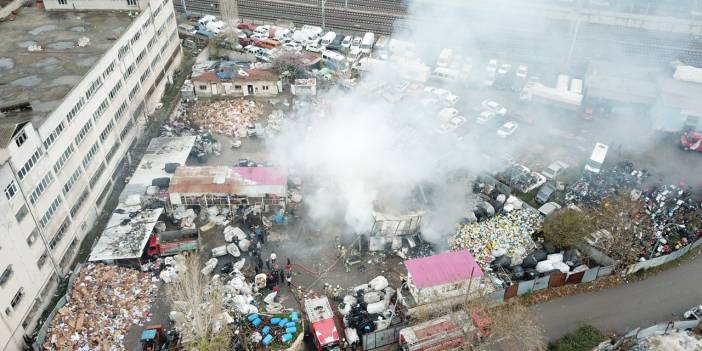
point(585, 338)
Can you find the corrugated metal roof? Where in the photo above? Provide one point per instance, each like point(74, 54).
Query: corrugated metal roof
point(225, 180)
point(448, 267)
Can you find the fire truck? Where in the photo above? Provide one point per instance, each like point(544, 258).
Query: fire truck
point(691, 141)
point(322, 325)
point(450, 332)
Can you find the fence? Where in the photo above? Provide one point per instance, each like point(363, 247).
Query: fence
point(657, 261)
point(551, 281)
point(41, 334)
point(384, 337)
point(662, 328)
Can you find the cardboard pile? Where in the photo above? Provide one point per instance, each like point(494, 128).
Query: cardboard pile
point(103, 303)
point(511, 233)
point(227, 117)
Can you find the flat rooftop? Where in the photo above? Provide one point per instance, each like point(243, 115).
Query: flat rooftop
point(45, 77)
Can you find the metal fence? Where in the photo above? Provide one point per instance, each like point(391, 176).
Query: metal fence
point(551, 281)
point(657, 261)
point(384, 337)
point(662, 328)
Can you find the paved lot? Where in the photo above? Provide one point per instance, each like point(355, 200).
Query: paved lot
point(660, 298)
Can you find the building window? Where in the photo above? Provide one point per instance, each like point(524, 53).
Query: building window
point(136, 37)
point(131, 2)
point(79, 202)
point(98, 172)
point(54, 134)
point(108, 70)
point(41, 187)
point(71, 181)
point(42, 259)
point(32, 237)
point(124, 49)
point(59, 233)
point(21, 213)
point(106, 190)
point(107, 130)
point(129, 71)
point(203, 87)
point(101, 109)
point(11, 190)
point(94, 86)
point(145, 75)
point(63, 158)
point(126, 130)
point(115, 89)
point(50, 212)
point(84, 131)
point(146, 23)
point(29, 164)
point(237, 87)
point(63, 2)
point(21, 138)
point(133, 92)
point(141, 56)
point(6, 274)
point(76, 108)
point(151, 43)
point(265, 87)
point(17, 298)
point(111, 153)
point(89, 156)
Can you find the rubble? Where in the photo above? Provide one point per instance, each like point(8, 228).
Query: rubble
point(674, 217)
point(521, 178)
point(103, 304)
point(510, 232)
point(227, 117)
point(592, 188)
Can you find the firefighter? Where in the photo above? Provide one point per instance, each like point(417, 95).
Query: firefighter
point(338, 250)
point(336, 293)
point(347, 266)
point(342, 253)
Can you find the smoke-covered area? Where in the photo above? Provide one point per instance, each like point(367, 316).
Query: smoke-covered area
point(366, 154)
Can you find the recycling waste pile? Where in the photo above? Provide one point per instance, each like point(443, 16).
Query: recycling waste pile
point(101, 306)
point(592, 188)
point(521, 178)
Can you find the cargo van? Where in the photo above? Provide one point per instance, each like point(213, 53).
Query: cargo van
point(597, 158)
point(576, 86)
point(334, 60)
point(367, 43)
point(327, 39)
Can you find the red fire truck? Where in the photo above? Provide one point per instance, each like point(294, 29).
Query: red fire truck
point(450, 332)
point(691, 141)
point(322, 325)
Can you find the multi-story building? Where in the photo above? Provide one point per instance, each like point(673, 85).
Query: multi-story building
point(77, 80)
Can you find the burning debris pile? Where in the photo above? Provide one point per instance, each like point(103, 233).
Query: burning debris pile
point(227, 117)
point(521, 178)
point(510, 232)
point(104, 302)
point(592, 188)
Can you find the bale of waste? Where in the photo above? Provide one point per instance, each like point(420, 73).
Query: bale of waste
point(267, 340)
point(289, 324)
point(233, 250)
point(244, 245)
point(219, 251)
point(530, 273)
point(275, 320)
point(350, 300)
point(266, 330)
point(294, 316)
point(252, 316)
point(540, 255)
point(344, 308)
point(351, 335)
point(286, 337)
point(378, 283)
point(499, 251)
point(529, 262)
point(283, 322)
point(561, 267)
point(376, 307)
point(549, 247)
point(291, 330)
point(555, 258)
point(152, 190)
point(544, 266)
point(162, 182)
point(171, 167)
point(501, 262)
point(372, 296)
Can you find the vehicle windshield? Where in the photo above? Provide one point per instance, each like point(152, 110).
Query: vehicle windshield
point(594, 164)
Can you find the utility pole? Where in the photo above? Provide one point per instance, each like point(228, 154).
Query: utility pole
point(185, 9)
point(324, 3)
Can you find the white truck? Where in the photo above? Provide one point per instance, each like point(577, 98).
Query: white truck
point(367, 43)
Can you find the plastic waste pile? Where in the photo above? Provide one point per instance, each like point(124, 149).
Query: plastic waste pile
point(539, 263)
point(510, 231)
point(275, 331)
point(370, 308)
point(592, 188)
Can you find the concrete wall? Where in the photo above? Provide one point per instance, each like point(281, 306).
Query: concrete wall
point(209, 89)
point(71, 5)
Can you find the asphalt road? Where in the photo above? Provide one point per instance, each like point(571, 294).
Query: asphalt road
point(659, 298)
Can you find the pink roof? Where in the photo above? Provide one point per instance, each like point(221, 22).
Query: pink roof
point(448, 267)
point(262, 175)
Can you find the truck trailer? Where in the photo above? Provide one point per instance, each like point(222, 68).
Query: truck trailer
point(173, 242)
point(453, 331)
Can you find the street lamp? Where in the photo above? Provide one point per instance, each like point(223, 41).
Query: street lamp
point(324, 3)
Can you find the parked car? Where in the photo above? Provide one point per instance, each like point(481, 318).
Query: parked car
point(522, 71)
point(554, 169)
point(491, 67)
point(450, 99)
point(447, 113)
point(545, 193)
point(292, 46)
point(356, 44)
point(314, 47)
point(494, 107)
point(451, 125)
point(504, 69)
point(336, 43)
point(485, 117)
point(346, 43)
point(507, 129)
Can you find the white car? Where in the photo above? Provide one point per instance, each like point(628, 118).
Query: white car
point(355, 44)
point(260, 36)
point(492, 67)
point(292, 46)
point(522, 71)
point(346, 43)
point(554, 169)
point(451, 125)
point(429, 89)
point(507, 129)
point(314, 47)
point(485, 117)
point(440, 93)
point(450, 99)
point(447, 113)
point(504, 69)
point(494, 107)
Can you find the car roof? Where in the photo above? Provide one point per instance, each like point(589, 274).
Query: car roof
point(510, 124)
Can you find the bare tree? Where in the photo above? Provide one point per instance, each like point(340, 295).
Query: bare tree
point(200, 305)
point(627, 223)
point(512, 327)
point(292, 63)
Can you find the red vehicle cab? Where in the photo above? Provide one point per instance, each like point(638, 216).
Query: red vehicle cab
point(691, 141)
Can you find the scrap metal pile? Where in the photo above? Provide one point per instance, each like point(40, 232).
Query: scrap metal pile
point(227, 117)
point(510, 231)
point(521, 178)
point(592, 188)
point(102, 305)
point(676, 218)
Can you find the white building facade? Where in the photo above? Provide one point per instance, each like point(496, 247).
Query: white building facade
point(57, 175)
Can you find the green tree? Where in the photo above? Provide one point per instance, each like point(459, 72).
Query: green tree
point(567, 227)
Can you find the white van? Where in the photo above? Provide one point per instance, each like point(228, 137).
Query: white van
point(445, 57)
point(334, 60)
point(597, 158)
point(576, 86)
point(327, 39)
point(367, 43)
